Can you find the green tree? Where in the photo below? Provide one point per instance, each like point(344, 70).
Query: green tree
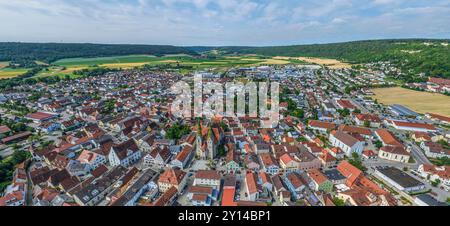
point(177, 130)
point(338, 202)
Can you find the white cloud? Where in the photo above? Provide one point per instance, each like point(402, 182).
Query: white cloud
point(220, 22)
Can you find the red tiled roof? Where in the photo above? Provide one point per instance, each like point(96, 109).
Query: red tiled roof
point(414, 125)
point(354, 129)
point(17, 136)
point(200, 197)
point(350, 172)
point(183, 154)
point(439, 81)
point(4, 129)
point(368, 117)
point(346, 104)
point(317, 176)
point(39, 115)
point(172, 176)
point(252, 182)
point(387, 137)
point(345, 138)
point(286, 158)
point(440, 117)
point(228, 197)
point(394, 150)
point(320, 124)
point(208, 174)
point(267, 159)
point(441, 171)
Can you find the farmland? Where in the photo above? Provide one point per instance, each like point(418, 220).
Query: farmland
point(11, 73)
point(3, 64)
point(68, 66)
point(331, 63)
point(421, 102)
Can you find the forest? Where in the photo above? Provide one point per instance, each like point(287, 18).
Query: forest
point(412, 56)
point(25, 54)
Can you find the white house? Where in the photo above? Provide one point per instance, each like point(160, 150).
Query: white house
point(434, 150)
point(209, 178)
point(183, 158)
point(394, 153)
point(124, 154)
point(158, 157)
point(434, 173)
point(413, 126)
point(91, 158)
point(346, 142)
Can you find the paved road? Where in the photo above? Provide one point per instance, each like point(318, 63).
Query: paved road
point(6, 152)
point(441, 195)
point(29, 190)
point(382, 162)
point(363, 109)
point(417, 153)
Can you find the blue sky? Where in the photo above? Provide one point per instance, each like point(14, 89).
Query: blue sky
point(221, 22)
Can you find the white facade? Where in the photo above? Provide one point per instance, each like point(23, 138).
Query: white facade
point(348, 150)
point(131, 158)
point(207, 182)
point(393, 157)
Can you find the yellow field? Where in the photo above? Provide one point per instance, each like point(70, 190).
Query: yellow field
point(421, 102)
point(11, 73)
point(276, 61)
point(331, 63)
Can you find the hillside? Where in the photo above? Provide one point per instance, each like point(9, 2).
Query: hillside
point(27, 53)
point(413, 56)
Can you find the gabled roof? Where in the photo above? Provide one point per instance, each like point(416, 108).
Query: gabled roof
point(345, 138)
point(317, 176)
point(251, 179)
point(122, 149)
point(172, 176)
point(320, 124)
point(350, 172)
point(208, 174)
point(387, 137)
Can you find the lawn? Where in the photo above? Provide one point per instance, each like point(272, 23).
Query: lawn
point(421, 102)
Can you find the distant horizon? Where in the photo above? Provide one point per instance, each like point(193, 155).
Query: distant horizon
point(218, 46)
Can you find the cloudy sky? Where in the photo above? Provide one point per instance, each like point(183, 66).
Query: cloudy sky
point(221, 22)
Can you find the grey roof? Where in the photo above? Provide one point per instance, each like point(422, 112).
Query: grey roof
point(400, 177)
point(402, 110)
point(101, 184)
point(334, 175)
point(145, 178)
point(430, 200)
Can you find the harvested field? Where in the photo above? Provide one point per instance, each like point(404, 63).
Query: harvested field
point(421, 102)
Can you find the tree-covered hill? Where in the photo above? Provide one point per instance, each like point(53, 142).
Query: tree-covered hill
point(23, 53)
point(413, 56)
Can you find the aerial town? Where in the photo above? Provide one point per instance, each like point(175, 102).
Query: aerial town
point(111, 140)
